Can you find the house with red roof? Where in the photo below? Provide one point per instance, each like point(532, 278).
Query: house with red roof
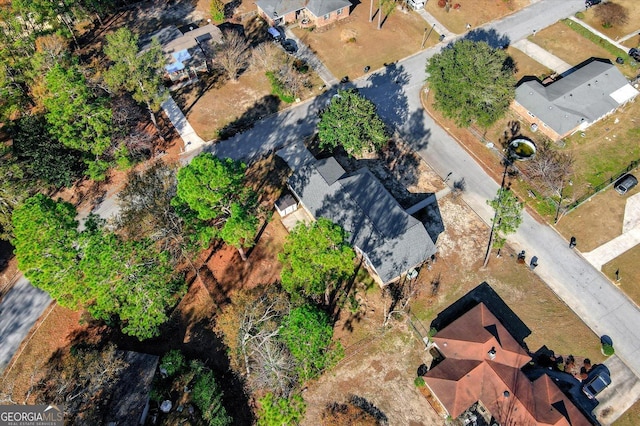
point(482, 368)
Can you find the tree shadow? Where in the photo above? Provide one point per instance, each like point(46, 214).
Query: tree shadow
point(269, 104)
point(487, 295)
point(490, 36)
point(386, 90)
point(6, 253)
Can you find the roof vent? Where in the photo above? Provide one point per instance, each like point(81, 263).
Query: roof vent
point(506, 394)
point(492, 352)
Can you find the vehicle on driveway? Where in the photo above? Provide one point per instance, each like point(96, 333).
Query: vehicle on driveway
point(289, 46)
point(275, 33)
point(597, 384)
point(589, 3)
point(625, 183)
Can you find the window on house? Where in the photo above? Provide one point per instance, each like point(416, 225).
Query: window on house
point(326, 17)
point(339, 12)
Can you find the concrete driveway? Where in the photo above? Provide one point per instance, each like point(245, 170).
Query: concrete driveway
point(623, 392)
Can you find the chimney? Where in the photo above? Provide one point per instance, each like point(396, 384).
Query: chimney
point(492, 353)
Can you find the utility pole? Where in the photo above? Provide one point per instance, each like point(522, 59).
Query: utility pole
point(425, 36)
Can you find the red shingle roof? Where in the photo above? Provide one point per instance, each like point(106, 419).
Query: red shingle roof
point(482, 363)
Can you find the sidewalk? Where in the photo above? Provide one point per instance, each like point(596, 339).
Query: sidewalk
point(191, 139)
point(599, 34)
point(305, 53)
point(544, 57)
point(630, 236)
point(431, 20)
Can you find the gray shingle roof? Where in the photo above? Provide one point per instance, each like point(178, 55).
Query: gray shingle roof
point(317, 7)
point(582, 96)
point(392, 240)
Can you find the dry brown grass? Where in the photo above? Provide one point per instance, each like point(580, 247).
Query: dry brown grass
point(400, 36)
point(596, 221)
point(627, 264)
point(526, 66)
point(474, 12)
point(617, 31)
point(631, 417)
point(573, 48)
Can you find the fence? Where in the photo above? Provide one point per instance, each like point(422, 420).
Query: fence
point(596, 189)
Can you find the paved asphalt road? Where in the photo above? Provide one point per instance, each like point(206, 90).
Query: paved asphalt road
point(395, 90)
point(20, 309)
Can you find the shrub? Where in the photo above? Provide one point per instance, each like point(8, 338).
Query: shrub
point(607, 349)
point(278, 89)
point(579, 15)
point(419, 381)
point(172, 362)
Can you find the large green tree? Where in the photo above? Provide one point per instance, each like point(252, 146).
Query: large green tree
point(215, 191)
point(138, 73)
point(46, 237)
point(130, 282)
point(307, 332)
point(13, 190)
point(43, 157)
point(126, 283)
point(315, 258)
point(506, 220)
point(77, 118)
point(351, 121)
point(472, 82)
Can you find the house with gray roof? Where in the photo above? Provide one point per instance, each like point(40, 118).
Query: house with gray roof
point(186, 53)
point(575, 101)
point(309, 12)
point(390, 240)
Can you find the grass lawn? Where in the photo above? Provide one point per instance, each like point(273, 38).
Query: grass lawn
point(473, 12)
point(526, 66)
point(573, 44)
point(617, 31)
point(627, 263)
point(631, 417)
point(632, 41)
point(400, 36)
point(596, 221)
point(607, 148)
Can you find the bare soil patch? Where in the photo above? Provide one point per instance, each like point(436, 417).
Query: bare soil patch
point(472, 12)
point(365, 45)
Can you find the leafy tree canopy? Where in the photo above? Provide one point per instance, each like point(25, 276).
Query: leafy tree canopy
point(42, 156)
point(76, 118)
point(139, 73)
point(125, 282)
point(508, 216)
point(215, 191)
point(315, 257)
point(13, 190)
point(307, 332)
point(281, 411)
point(351, 121)
point(472, 82)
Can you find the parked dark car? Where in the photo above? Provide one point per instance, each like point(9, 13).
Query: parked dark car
point(634, 53)
point(275, 33)
point(597, 384)
point(589, 3)
point(625, 183)
point(290, 46)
